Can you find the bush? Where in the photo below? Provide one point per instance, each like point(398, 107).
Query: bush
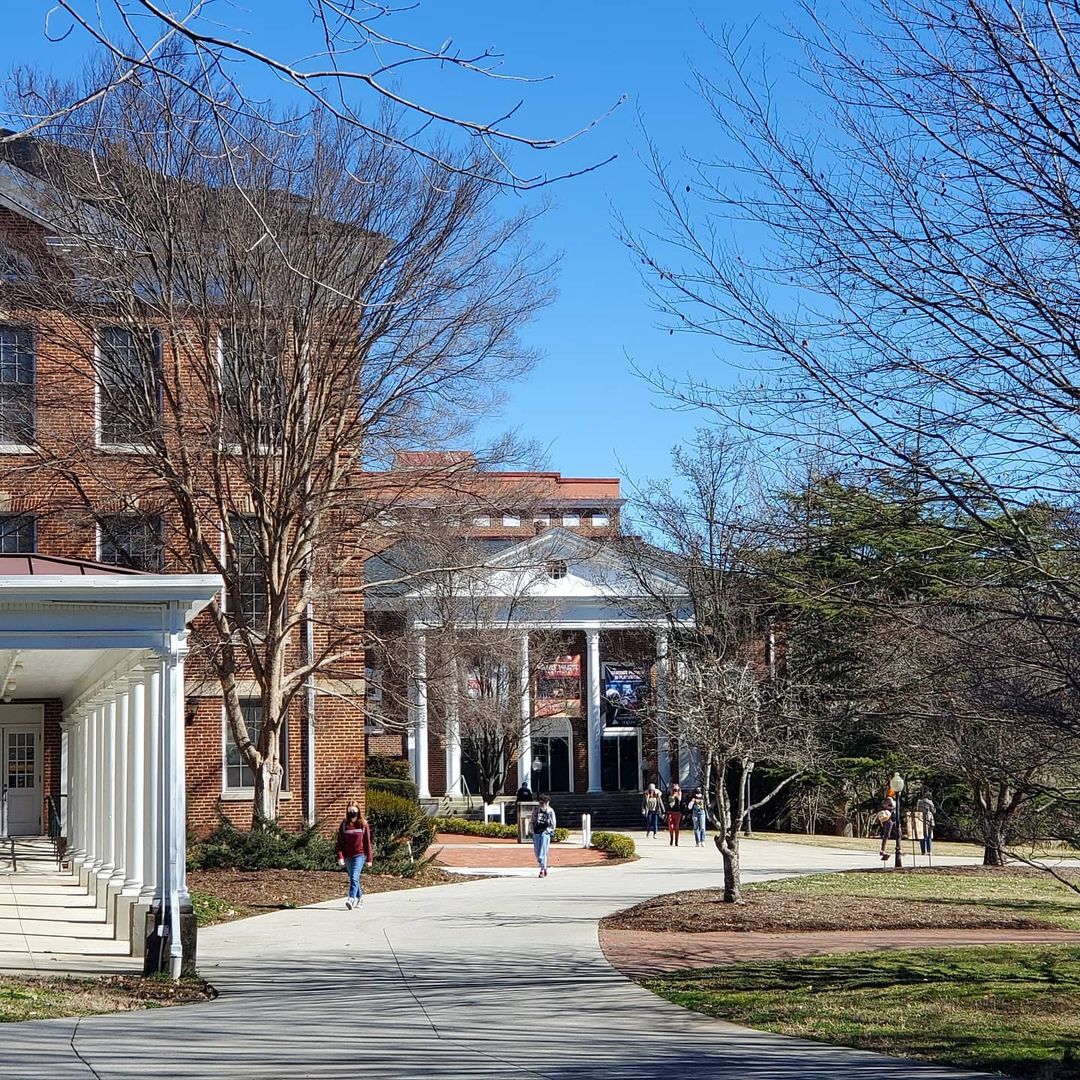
point(464, 827)
point(397, 822)
point(405, 788)
point(269, 848)
point(622, 847)
point(388, 768)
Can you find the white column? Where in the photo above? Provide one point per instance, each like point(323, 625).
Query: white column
point(120, 778)
point(75, 774)
point(90, 747)
point(107, 793)
point(136, 766)
point(173, 889)
point(525, 746)
point(420, 718)
point(151, 834)
point(592, 675)
point(686, 764)
point(453, 734)
point(103, 831)
point(663, 717)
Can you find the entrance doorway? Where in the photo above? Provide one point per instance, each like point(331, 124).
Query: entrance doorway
point(20, 770)
point(551, 756)
point(620, 760)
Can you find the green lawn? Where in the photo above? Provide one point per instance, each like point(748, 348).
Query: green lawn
point(44, 998)
point(1028, 892)
point(1013, 1009)
point(941, 847)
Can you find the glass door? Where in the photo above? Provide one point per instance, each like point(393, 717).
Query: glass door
point(620, 761)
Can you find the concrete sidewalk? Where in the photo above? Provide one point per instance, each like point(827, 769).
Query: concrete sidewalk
point(481, 979)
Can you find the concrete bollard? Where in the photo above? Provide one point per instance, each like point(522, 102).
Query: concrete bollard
point(586, 830)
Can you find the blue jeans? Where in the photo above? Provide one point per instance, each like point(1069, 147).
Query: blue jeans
point(926, 844)
point(541, 843)
point(652, 821)
point(355, 864)
point(699, 826)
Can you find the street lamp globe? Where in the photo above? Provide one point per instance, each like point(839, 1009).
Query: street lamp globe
point(897, 783)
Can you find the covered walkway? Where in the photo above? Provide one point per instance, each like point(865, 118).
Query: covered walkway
point(92, 736)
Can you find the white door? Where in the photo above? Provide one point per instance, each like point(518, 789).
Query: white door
point(20, 778)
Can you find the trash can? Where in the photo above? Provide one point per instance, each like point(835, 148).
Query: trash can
point(524, 816)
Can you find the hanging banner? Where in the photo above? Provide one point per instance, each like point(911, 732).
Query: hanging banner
point(558, 687)
point(626, 687)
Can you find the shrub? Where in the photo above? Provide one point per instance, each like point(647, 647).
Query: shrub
point(269, 848)
point(405, 788)
point(388, 768)
point(397, 822)
point(622, 847)
point(465, 827)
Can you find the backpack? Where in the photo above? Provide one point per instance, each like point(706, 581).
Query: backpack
point(543, 821)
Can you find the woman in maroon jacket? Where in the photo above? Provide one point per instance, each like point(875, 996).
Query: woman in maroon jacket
point(354, 851)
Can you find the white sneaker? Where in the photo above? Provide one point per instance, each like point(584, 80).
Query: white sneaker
point(349, 903)
point(359, 902)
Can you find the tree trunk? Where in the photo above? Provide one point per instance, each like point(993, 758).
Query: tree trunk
point(995, 840)
point(728, 846)
point(267, 788)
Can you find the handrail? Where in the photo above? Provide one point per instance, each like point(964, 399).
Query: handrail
point(56, 828)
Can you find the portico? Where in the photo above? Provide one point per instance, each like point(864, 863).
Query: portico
point(92, 724)
point(587, 719)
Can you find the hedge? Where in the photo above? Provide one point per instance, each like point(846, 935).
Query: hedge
point(465, 827)
point(622, 847)
point(387, 768)
point(268, 848)
point(405, 788)
point(398, 825)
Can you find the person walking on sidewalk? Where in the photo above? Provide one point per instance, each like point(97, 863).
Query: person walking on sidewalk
point(354, 851)
point(924, 823)
point(542, 820)
point(652, 807)
point(676, 807)
point(696, 805)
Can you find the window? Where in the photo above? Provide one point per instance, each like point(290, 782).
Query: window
point(16, 385)
point(556, 569)
point(481, 521)
point(248, 571)
point(571, 521)
point(136, 541)
point(252, 388)
point(511, 521)
point(18, 534)
point(542, 519)
point(238, 775)
point(600, 521)
point(129, 386)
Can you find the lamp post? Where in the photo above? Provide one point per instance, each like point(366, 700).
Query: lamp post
point(897, 786)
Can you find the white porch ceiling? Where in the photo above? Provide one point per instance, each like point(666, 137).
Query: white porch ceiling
point(51, 673)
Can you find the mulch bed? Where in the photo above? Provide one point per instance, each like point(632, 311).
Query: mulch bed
point(253, 892)
point(704, 911)
point(24, 997)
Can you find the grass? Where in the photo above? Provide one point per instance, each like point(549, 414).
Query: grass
point(25, 998)
point(950, 848)
point(1030, 893)
point(1011, 1009)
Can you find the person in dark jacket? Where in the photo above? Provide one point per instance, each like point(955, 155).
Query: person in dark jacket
point(676, 807)
point(354, 851)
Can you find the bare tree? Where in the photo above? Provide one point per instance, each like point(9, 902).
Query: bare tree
point(347, 63)
point(242, 336)
point(725, 692)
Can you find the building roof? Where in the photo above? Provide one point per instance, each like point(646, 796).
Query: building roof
point(36, 565)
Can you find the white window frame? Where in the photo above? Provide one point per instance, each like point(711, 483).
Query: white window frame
point(245, 794)
point(600, 520)
point(14, 447)
point(571, 521)
point(115, 448)
point(482, 521)
point(135, 513)
point(511, 521)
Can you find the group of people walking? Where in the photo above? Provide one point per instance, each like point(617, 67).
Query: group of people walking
point(673, 808)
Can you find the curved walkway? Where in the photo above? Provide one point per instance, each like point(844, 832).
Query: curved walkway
point(495, 978)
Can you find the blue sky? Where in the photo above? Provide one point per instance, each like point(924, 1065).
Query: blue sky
point(582, 403)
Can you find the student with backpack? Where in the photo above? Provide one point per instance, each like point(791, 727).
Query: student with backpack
point(542, 822)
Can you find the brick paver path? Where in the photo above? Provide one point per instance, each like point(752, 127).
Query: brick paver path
point(466, 851)
point(639, 953)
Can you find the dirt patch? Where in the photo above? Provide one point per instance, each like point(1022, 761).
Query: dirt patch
point(223, 895)
point(25, 998)
point(704, 911)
